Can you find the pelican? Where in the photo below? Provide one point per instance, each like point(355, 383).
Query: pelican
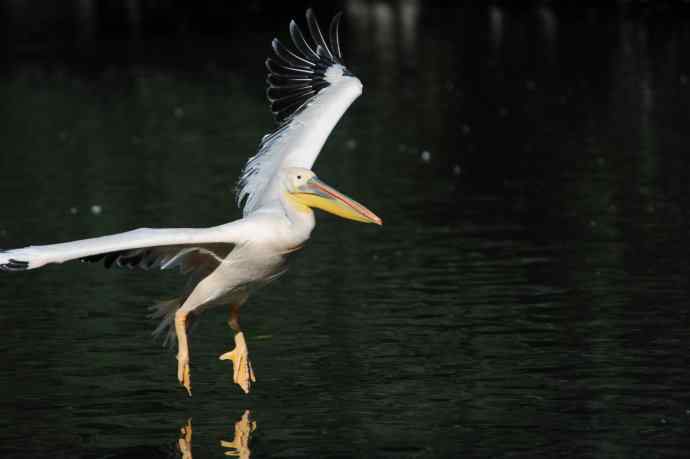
point(309, 89)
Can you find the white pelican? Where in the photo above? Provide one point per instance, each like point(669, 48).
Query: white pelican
point(309, 89)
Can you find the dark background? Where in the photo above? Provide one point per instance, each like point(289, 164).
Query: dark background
point(527, 295)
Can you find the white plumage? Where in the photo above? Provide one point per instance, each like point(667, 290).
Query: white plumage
point(298, 142)
point(309, 90)
point(40, 255)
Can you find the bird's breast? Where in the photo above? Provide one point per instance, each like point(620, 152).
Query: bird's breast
point(279, 234)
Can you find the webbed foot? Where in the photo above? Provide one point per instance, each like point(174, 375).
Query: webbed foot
point(243, 374)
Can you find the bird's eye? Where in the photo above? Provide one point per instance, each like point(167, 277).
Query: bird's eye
point(299, 177)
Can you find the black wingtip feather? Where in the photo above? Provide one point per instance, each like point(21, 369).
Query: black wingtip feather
point(15, 265)
point(301, 43)
point(316, 35)
point(333, 35)
point(296, 76)
point(287, 56)
point(282, 69)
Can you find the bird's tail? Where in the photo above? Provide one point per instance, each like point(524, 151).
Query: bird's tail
point(165, 312)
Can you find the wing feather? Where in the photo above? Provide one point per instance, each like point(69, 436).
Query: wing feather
point(309, 89)
point(300, 42)
point(287, 56)
point(317, 36)
point(333, 36)
point(186, 257)
point(144, 247)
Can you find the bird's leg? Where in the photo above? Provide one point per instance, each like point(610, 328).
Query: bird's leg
point(182, 349)
point(243, 375)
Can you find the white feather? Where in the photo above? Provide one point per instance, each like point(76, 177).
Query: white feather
point(40, 255)
point(298, 142)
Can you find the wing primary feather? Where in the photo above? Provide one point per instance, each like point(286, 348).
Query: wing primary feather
point(291, 87)
point(300, 43)
point(334, 37)
point(297, 75)
point(14, 265)
point(323, 52)
point(288, 56)
point(277, 95)
point(274, 93)
point(317, 36)
point(289, 110)
point(292, 97)
point(283, 80)
point(277, 67)
point(301, 70)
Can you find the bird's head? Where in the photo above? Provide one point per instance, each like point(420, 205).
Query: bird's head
point(304, 189)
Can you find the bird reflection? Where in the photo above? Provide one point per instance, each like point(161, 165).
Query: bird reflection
point(185, 441)
point(238, 447)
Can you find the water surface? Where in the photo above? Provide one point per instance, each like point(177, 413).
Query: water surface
point(526, 296)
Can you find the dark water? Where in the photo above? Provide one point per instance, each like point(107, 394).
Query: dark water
point(527, 295)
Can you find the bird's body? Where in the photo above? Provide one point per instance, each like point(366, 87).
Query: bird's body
point(309, 91)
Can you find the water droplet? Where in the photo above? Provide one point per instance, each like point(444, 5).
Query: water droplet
point(96, 209)
point(426, 156)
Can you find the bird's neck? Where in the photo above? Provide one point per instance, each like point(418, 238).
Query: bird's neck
point(299, 215)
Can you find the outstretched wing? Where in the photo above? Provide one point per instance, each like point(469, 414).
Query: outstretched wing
point(309, 89)
point(186, 257)
point(144, 248)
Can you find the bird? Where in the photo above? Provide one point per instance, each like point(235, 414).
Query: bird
point(309, 88)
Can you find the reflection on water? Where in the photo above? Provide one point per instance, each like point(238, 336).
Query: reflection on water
point(185, 441)
point(239, 446)
point(528, 295)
